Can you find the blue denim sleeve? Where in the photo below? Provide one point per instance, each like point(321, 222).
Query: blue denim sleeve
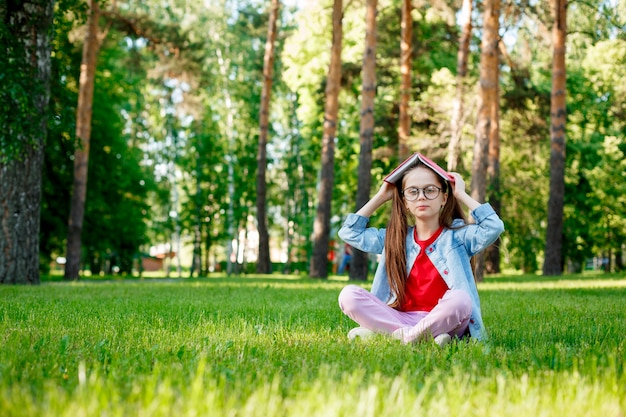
point(485, 231)
point(355, 232)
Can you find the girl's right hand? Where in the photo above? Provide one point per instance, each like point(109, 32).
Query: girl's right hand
point(386, 190)
point(384, 194)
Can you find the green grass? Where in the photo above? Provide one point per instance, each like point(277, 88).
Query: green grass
point(277, 346)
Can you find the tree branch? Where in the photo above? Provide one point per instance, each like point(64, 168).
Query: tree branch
point(134, 26)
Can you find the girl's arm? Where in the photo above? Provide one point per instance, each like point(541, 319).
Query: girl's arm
point(458, 188)
point(354, 229)
point(488, 225)
point(384, 194)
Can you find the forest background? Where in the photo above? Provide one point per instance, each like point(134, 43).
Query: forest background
point(175, 127)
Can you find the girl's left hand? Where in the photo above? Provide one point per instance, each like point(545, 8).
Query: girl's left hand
point(458, 186)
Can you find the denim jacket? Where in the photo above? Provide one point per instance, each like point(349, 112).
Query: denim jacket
point(450, 254)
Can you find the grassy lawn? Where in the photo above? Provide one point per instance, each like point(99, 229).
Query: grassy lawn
point(277, 346)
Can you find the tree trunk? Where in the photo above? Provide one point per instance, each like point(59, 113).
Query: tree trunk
point(406, 56)
point(207, 253)
point(264, 265)
point(461, 73)
point(359, 261)
point(487, 99)
point(30, 23)
point(83, 133)
point(553, 262)
point(321, 227)
point(619, 260)
point(492, 254)
point(230, 159)
point(196, 260)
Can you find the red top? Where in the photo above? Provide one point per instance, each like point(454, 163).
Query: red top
point(424, 286)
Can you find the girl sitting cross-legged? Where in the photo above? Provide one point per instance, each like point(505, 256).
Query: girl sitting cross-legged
point(424, 286)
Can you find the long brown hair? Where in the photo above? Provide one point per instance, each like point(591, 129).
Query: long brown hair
point(397, 229)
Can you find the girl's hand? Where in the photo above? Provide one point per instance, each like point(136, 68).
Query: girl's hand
point(386, 191)
point(384, 194)
point(458, 186)
point(458, 189)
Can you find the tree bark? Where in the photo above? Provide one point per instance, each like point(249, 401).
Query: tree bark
point(492, 254)
point(91, 46)
point(461, 73)
point(406, 59)
point(321, 226)
point(264, 265)
point(487, 100)
point(30, 23)
point(359, 262)
point(553, 261)
point(196, 260)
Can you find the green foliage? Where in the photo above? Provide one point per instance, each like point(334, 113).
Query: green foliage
point(594, 106)
point(595, 154)
point(168, 69)
point(19, 114)
point(203, 185)
point(278, 346)
point(118, 183)
point(58, 167)
point(524, 167)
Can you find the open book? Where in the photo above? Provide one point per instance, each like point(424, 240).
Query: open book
point(410, 162)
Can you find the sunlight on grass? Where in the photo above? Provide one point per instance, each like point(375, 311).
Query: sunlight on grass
point(561, 284)
point(277, 346)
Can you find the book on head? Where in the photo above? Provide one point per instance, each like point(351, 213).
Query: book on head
point(410, 162)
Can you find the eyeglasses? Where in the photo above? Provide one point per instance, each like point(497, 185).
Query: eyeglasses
point(412, 193)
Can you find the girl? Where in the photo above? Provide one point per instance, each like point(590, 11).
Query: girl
point(424, 286)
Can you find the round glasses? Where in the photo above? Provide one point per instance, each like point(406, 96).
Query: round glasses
point(412, 193)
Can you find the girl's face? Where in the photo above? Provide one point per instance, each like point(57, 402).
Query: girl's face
point(423, 194)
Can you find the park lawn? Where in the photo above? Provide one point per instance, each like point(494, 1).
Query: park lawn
point(277, 346)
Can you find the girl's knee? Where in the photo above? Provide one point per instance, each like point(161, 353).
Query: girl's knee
point(461, 301)
point(348, 297)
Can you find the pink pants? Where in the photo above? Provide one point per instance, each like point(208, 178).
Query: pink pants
point(451, 315)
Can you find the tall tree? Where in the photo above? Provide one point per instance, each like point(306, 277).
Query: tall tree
point(264, 265)
point(84, 111)
point(359, 261)
point(230, 159)
point(487, 100)
point(321, 227)
point(492, 254)
point(406, 62)
point(458, 108)
point(553, 261)
point(25, 32)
